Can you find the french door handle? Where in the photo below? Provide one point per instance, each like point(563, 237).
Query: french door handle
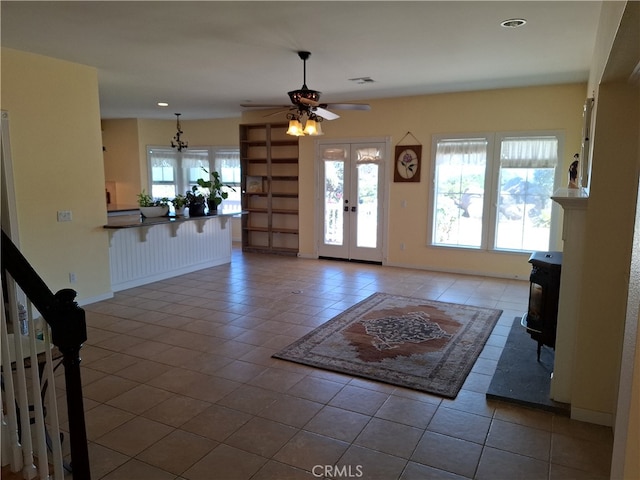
point(353, 209)
point(346, 209)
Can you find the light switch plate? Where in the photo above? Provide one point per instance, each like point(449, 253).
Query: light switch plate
point(64, 215)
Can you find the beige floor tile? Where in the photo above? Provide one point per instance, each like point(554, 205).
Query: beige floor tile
point(143, 370)
point(276, 379)
point(316, 389)
point(134, 436)
point(176, 380)
point(103, 419)
point(177, 451)
point(514, 438)
point(103, 460)
point(250, 399)
point(471, 402)
point(359, 400)
point(374, 465)
point(176, 410)
point(291, 410)
point(458, 424)
point(417, 471)
point(581, 454)
point(448, 454)
point(389, 437)
point(306, 449)
point(276, 470)
point(216, 422)
point(495, 464)
point(209, 336)
point(140, 471)
point(407, 411)
point(261, 436)
point(107, 387)
point(338, 423)
point(227, 462)
point(139, 399)
point(239, 371)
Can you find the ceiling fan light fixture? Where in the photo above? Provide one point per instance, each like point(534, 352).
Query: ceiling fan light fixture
point(295, 127)
point(312, 128)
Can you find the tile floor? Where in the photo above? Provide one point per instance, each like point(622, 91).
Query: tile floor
point(179, 383)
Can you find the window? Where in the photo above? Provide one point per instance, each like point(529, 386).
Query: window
point(493, 191)
point(227, 162)
point(173, 172)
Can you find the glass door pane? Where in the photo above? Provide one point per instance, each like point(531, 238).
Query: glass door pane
point(367, 208)
point(333, 198)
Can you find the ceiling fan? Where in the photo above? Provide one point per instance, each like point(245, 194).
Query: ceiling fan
point(306, 112)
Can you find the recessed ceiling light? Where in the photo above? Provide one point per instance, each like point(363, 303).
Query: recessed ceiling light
point(163, 104)
point(513, 23)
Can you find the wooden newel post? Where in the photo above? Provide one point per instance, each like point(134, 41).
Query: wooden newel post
point(69, 332)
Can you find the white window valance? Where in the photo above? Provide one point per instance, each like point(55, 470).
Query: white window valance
point(529, 152)
point(471, 151)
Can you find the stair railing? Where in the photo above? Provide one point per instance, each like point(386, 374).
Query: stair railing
point(31, 443)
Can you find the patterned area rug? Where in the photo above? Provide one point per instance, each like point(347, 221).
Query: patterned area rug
point(410, 342)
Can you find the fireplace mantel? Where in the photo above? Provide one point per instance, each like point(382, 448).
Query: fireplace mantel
point(574, 203)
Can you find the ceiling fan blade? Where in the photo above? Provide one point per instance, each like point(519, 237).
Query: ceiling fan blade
point(277, 112)
point(326, 114)
point(262, 105)
point(348, 106)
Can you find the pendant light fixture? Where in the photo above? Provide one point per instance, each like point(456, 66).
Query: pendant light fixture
point(177, 142)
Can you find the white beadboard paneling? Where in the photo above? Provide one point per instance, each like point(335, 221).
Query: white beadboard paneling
point(147, 254)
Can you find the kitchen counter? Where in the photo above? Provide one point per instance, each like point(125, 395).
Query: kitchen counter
point(143, 251)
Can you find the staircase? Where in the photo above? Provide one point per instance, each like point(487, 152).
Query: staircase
point(39, 332)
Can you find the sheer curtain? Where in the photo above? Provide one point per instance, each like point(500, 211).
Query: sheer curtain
point(529, 152)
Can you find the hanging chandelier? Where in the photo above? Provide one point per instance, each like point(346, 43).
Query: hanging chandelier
point(177, 142)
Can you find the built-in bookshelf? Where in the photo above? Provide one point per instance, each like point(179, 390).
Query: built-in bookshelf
point(269, 163)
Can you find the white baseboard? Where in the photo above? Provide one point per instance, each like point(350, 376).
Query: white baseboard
point(591, 416)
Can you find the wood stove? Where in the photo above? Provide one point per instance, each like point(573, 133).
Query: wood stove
point(541, 318)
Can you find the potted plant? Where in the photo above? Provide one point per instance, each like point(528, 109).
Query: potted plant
point(214, 186)
point(179, 203)
point(195, 202)
point(152, 208)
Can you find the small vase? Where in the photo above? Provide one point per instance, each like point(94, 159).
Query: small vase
point(179, 211)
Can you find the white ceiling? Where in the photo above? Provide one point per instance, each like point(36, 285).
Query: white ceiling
point(205, 58)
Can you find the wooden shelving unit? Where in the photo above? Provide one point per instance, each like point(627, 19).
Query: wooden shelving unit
point(269, 162)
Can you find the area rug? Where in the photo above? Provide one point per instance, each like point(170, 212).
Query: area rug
point(410, 342)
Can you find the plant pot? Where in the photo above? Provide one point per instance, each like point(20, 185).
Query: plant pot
point(179, 211)
point(150, 212)
point(196, 210)
point(213, 207)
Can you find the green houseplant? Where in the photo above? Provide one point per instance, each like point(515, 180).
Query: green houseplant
point(149, 207)
point(214, 187)
point(179, 203)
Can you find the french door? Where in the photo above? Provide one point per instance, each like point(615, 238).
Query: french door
point(351, 207)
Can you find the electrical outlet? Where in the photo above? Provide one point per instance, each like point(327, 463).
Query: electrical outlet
point(64, 215)
point(401, 245)
point(72, 277)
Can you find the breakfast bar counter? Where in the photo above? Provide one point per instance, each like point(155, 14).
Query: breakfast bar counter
point(146, 250)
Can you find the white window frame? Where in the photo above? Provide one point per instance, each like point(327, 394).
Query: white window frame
point(181, 180)
point(492, 175)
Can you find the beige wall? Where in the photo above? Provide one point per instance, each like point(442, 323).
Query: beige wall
point(121, 163)
point(57, 164)
point(522, 109)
